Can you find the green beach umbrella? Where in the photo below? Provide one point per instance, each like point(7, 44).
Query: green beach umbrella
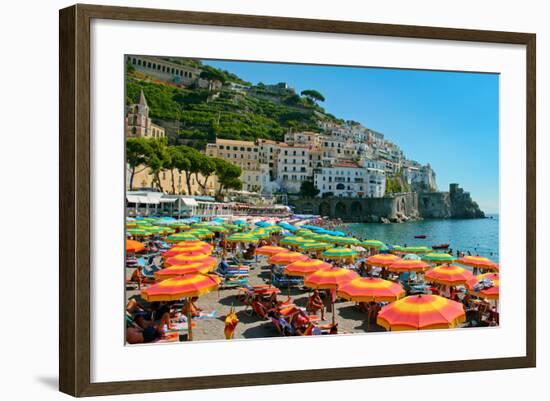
point(314, 246)
point(140, 232)
point(294, 240)
point(339, 253)
point(438, 258)
point(373, 243)
point(242, 237)
point(181, 237)
point(346, 241)
point(415, 249)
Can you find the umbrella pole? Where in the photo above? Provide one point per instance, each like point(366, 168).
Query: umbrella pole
point(189, 321)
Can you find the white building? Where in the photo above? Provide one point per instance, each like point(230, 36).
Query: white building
point(294, 166)
point(420, 178)
point(343, 179)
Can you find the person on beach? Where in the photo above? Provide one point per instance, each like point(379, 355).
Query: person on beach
point(315, 304)
point(190, 308)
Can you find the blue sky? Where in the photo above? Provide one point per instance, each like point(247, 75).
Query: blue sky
point(447, 119)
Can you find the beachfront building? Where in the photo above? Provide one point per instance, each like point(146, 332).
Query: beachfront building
point(138, 124)
point(420, 178)
point(343, 179)
point(164, 70)
point(246, 155)
point(294, 166)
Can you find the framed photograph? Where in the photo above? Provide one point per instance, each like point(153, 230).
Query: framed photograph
point(251, 200)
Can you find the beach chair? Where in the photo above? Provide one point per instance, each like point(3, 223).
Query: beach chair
point(233, 281)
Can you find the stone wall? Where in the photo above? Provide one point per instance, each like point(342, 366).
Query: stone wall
point(396, 208)
point(455, 204)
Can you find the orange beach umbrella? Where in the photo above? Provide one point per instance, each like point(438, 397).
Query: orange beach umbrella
point(285, 258)
point(304, 267)
point(134, 246)
point(382, 259)
point(479, 262)
point(369, 289)
point(408, 265)
point(180, 270)
point(270, 250)
point(187, 250)
point(187, 259)
point(186, 286)
point(421, 312)
point(329, 279)
point(449, 275)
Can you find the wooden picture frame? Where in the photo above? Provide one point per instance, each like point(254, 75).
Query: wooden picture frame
point(74, 203)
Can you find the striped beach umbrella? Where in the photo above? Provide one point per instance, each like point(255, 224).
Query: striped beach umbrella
point(421, 312)
point(186, 244)
point(369, 289)
point(373, 243)
point(449, 275)
point(479, 262)
point(187, 259)
point(329, 279)
point(314, 246)
point(438, 258)
point(491, 292)
point(270, 250)
point(382, 259)
point(134, 246)
point(407, 266)
point(187, 286)
point(181, 237)
point(415, 249)
point(294, 240)
point(304, 267)
point(346, 241)
point(242, 237)
point(188, 250)
point(325, 238)
point(180, 270)
point(339, 253)
point(138, 232)
point(286, 258)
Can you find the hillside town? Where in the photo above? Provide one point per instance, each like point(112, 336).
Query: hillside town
point(342, 159)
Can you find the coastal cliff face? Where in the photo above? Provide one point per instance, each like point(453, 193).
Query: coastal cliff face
point(397, 208)
point(455, 204)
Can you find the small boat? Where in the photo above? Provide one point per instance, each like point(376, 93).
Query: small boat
point(420, 236)
point(440, 246)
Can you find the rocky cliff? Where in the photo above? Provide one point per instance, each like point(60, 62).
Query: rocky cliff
point(455, 204)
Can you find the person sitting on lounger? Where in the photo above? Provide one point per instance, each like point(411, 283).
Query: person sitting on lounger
point(300, 321)
point(315, 304)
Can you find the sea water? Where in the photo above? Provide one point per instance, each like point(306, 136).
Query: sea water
point(478, 236)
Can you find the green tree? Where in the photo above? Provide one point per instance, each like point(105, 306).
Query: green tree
point(313, 95)
point(158, 160)
point(137, 152)
point(228, 175)
point(206, 168)
point(212, 74)
point(308, 189)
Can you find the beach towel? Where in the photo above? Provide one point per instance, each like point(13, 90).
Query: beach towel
point(206, 315)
